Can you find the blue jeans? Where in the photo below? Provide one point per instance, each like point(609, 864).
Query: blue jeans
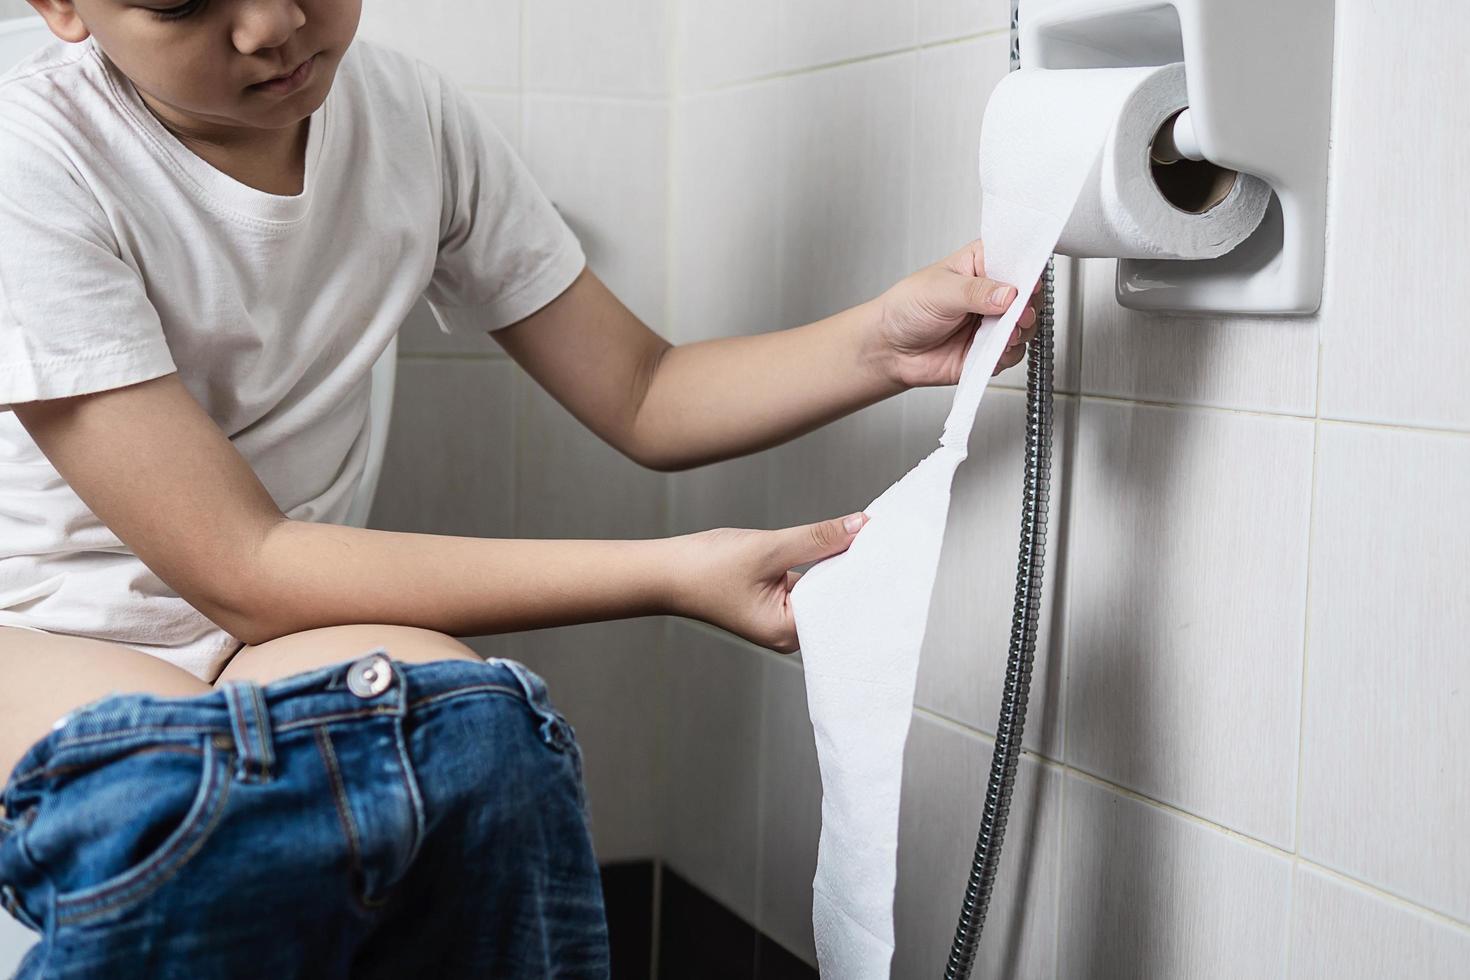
point(368, 819)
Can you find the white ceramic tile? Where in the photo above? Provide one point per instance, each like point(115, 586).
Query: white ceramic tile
point(571, 484)
point(836, 470)
point(954, 83)
point(791, 810)
point(728, 494)
point(945, 770)
point(420, 334)
point(819, 32)
point(845, 163)
point(1187, 585)
point(617, 47)
point(712, 765)
point(477, 44)
point(607, 679)
point(449, 466)
point(1266, 364)
point(941, 20)
point(15, 939)
point(1394, 343)
point(501, 111)
point(1386, 731)
point(963, 663)
point(1341, 932)
point(1147, 893)
point(605, 165)
point(724, 255)
point(723, 41)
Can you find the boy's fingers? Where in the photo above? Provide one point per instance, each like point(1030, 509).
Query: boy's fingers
point(986, 296)
point(813, 542)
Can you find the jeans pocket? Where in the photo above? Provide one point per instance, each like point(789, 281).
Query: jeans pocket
point(109, 835)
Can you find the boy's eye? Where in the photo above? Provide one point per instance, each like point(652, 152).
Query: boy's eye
point(179, 12)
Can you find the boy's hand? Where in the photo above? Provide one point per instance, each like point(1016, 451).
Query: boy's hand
point(927, 321)
point(741, 580)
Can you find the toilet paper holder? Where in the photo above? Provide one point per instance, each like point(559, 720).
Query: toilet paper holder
point(1260, 91)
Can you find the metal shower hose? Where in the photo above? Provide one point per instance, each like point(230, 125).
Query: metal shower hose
point(1026, 613)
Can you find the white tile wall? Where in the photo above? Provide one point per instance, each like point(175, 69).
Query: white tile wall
point(420, 334)
point(1186, 585)
point(485, 52)
point(604, 163)
point(15, 939)
point(450, 463)
point(791, 808)
point(1148, 893)
point(724, 255)
point(1342, 932)
point(945, 770)
point(963, 663)
point(1394, 343)
point(616, 47)
point(712, 764)
point(1264, 364)
point(723, 41)
point(839, 469)
point(818, 32)
point(846, 156)
point(1386, 730)
point(571, 484)
point(941, 20)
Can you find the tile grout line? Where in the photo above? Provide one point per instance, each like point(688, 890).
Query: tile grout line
point(1301, 718)
point(862, 59)
point(1118, 789)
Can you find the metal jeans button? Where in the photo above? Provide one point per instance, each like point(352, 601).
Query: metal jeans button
point(369, 676)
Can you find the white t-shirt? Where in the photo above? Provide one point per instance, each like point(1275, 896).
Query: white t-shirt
point(123, 257)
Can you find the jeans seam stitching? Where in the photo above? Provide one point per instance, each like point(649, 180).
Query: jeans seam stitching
point(344, 815)
point(472, 689)
point(260, 733)
point(145, 880)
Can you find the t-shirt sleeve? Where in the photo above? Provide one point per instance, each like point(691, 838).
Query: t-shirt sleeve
point(74, 316)
point(504, 251)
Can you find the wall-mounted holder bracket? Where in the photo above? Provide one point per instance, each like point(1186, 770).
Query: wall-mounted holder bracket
point(1259, 74)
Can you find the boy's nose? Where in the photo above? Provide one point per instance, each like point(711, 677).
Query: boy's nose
point(264, 24)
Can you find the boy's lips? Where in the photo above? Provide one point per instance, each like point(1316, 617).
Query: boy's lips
point(288, 82)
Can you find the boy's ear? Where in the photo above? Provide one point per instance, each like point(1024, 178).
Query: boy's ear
point(61, 16)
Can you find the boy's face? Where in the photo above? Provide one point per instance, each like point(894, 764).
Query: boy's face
point(203, 61)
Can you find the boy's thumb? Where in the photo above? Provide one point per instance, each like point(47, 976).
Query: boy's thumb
point(813, 542)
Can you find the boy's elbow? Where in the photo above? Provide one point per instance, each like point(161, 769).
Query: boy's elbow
point(239, 602)
point(241, 615)
point(656, 458)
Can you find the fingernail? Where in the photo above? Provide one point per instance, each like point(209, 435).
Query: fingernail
point(1002, 295)
point(852, 523)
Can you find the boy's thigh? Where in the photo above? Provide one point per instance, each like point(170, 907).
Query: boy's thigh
point(310, 649)
point(47, 675)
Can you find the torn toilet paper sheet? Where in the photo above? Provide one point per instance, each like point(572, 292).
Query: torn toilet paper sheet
point(861, 615)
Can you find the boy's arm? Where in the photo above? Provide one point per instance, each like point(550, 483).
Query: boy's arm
point(675, 407)
point(154, 467)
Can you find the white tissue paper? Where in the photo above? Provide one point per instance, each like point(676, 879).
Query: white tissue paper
point(1059, 151)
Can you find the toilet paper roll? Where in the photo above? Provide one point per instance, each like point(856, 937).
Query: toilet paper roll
point(1061, 150)
point(1130, 207)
